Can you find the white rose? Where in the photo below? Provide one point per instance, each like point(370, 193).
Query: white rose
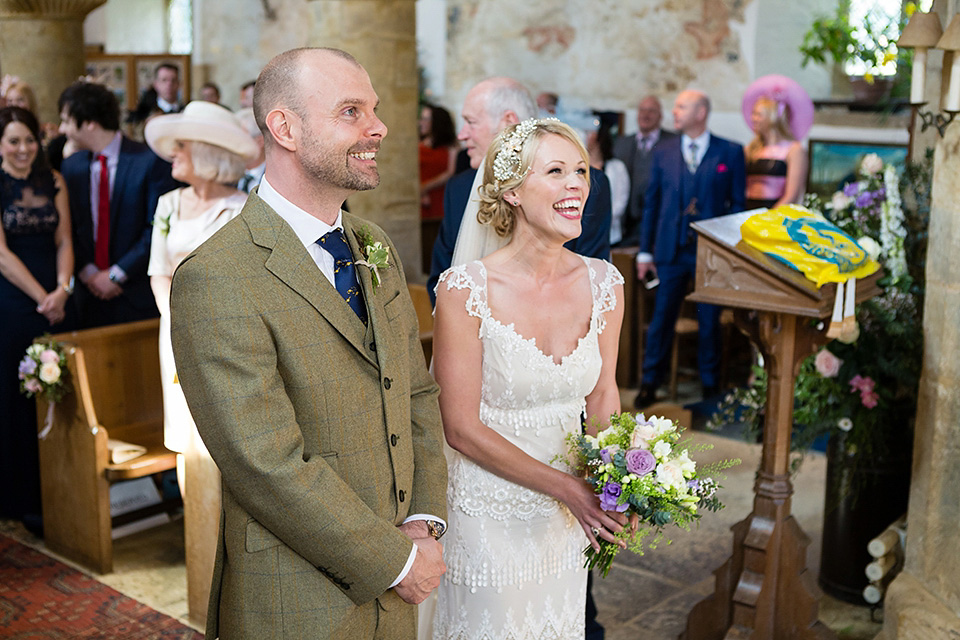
point(872, 164)
point(661, 450)
point(50, 372)
point(687, 466)
point(591, 441)
point(670, 476)
point(641, 436)
point(840, 201)
point(869, 245)
point(34, 350)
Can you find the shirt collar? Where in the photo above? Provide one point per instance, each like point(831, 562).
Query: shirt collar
point(112, 150)
point(308, 228)
point(703, 140)
point(166, 107)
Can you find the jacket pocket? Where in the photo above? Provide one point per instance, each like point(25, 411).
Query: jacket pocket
point(259, 538)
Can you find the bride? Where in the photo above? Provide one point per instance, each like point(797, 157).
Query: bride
point(525, 345)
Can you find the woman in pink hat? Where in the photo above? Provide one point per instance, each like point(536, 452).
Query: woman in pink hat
point(780, 113)
point(209, 151)
point(776, 163)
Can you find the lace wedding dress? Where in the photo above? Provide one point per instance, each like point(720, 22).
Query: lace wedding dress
point(514, 556)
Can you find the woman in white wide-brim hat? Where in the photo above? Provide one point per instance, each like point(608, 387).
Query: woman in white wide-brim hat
point(208, 150)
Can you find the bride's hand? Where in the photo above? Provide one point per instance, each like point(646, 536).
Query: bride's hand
point(585, 506)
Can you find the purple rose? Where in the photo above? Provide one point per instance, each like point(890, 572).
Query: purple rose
point(640, 462)
point(608, 499)
point(28, 366)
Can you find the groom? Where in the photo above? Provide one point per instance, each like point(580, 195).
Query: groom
point(308, 384)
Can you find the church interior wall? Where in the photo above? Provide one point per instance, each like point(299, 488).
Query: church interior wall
point(604, 55)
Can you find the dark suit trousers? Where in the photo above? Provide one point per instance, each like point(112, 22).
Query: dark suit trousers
point(675, 278)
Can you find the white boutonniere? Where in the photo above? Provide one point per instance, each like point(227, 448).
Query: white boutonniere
point(377, 255)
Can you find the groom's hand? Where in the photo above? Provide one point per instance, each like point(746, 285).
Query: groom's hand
point(424, 575)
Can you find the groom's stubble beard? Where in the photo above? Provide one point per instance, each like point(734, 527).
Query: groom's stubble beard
point(331, 166)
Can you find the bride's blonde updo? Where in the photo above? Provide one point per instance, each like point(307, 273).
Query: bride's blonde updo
point(508, 163)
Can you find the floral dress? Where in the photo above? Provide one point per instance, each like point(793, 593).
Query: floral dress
point(514, 556)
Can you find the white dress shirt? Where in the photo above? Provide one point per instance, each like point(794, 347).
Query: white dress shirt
point(309, 229)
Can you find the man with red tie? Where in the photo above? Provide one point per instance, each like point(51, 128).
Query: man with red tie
point(114, 184)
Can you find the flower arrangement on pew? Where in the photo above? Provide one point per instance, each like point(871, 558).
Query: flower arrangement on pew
point(640, 466)
point(42, 370)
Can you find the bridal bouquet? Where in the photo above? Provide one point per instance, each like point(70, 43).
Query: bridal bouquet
point(640, 466)
point(42, 370)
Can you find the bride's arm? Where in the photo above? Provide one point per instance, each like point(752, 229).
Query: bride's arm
point(604, 400)
point(457, 365)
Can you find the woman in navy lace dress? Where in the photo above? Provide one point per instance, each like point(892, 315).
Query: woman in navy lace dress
point(36, 268)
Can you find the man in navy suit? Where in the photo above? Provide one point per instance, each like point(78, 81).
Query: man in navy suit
point(111, 243)
point(694, 177)
point(490, 107)
point(636, 152)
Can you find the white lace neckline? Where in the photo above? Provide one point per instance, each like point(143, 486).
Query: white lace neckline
point(532, 342)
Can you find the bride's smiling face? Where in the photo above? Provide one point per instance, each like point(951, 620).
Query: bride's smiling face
point(551, 198)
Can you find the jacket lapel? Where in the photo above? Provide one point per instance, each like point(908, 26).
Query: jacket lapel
point(119, 180)
point(290, 262)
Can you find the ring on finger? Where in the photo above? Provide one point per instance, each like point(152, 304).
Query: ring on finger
point(595, 531)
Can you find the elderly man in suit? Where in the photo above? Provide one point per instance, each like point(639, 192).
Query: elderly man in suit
point(307, 381)
point(636, 152)
point(114, 184)
point(491, 106)
point(694, 177)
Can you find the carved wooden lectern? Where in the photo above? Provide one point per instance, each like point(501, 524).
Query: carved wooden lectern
point(764, 590)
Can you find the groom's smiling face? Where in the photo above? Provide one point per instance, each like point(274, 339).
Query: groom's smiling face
point(341, 132)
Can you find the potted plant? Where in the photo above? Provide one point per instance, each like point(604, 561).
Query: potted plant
point(865, 50)
point(862, 395)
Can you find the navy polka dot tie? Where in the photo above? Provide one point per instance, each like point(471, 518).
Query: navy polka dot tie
point(344, 273)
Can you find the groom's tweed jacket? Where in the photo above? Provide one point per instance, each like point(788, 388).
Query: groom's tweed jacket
point(327, 433)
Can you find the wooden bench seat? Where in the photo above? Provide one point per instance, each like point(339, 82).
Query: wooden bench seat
point(114, 379)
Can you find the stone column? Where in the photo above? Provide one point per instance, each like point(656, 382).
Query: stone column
point(923, 601)
point(41, 41)
point(381, 35)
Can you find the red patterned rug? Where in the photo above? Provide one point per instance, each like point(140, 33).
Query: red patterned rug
point(41, 598)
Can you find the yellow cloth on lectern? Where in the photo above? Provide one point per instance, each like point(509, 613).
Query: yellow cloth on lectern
point(809, 243)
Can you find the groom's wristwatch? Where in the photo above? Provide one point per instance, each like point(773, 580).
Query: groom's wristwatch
point(436, 528)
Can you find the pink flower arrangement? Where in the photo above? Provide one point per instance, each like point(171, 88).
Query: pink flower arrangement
point(865, 386)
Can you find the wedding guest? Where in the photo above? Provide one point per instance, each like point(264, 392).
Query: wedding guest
point(246, 94)
point(208, 150)
point(780, 113)
point(438, 157)
point(36, 280)
point(114, 184)
point(210, 92)
point(600, 148)
point(695, 176)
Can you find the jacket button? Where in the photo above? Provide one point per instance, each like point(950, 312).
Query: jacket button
point(393, 439)
point(386, 383)
point(401, 495)
point(373, 346)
